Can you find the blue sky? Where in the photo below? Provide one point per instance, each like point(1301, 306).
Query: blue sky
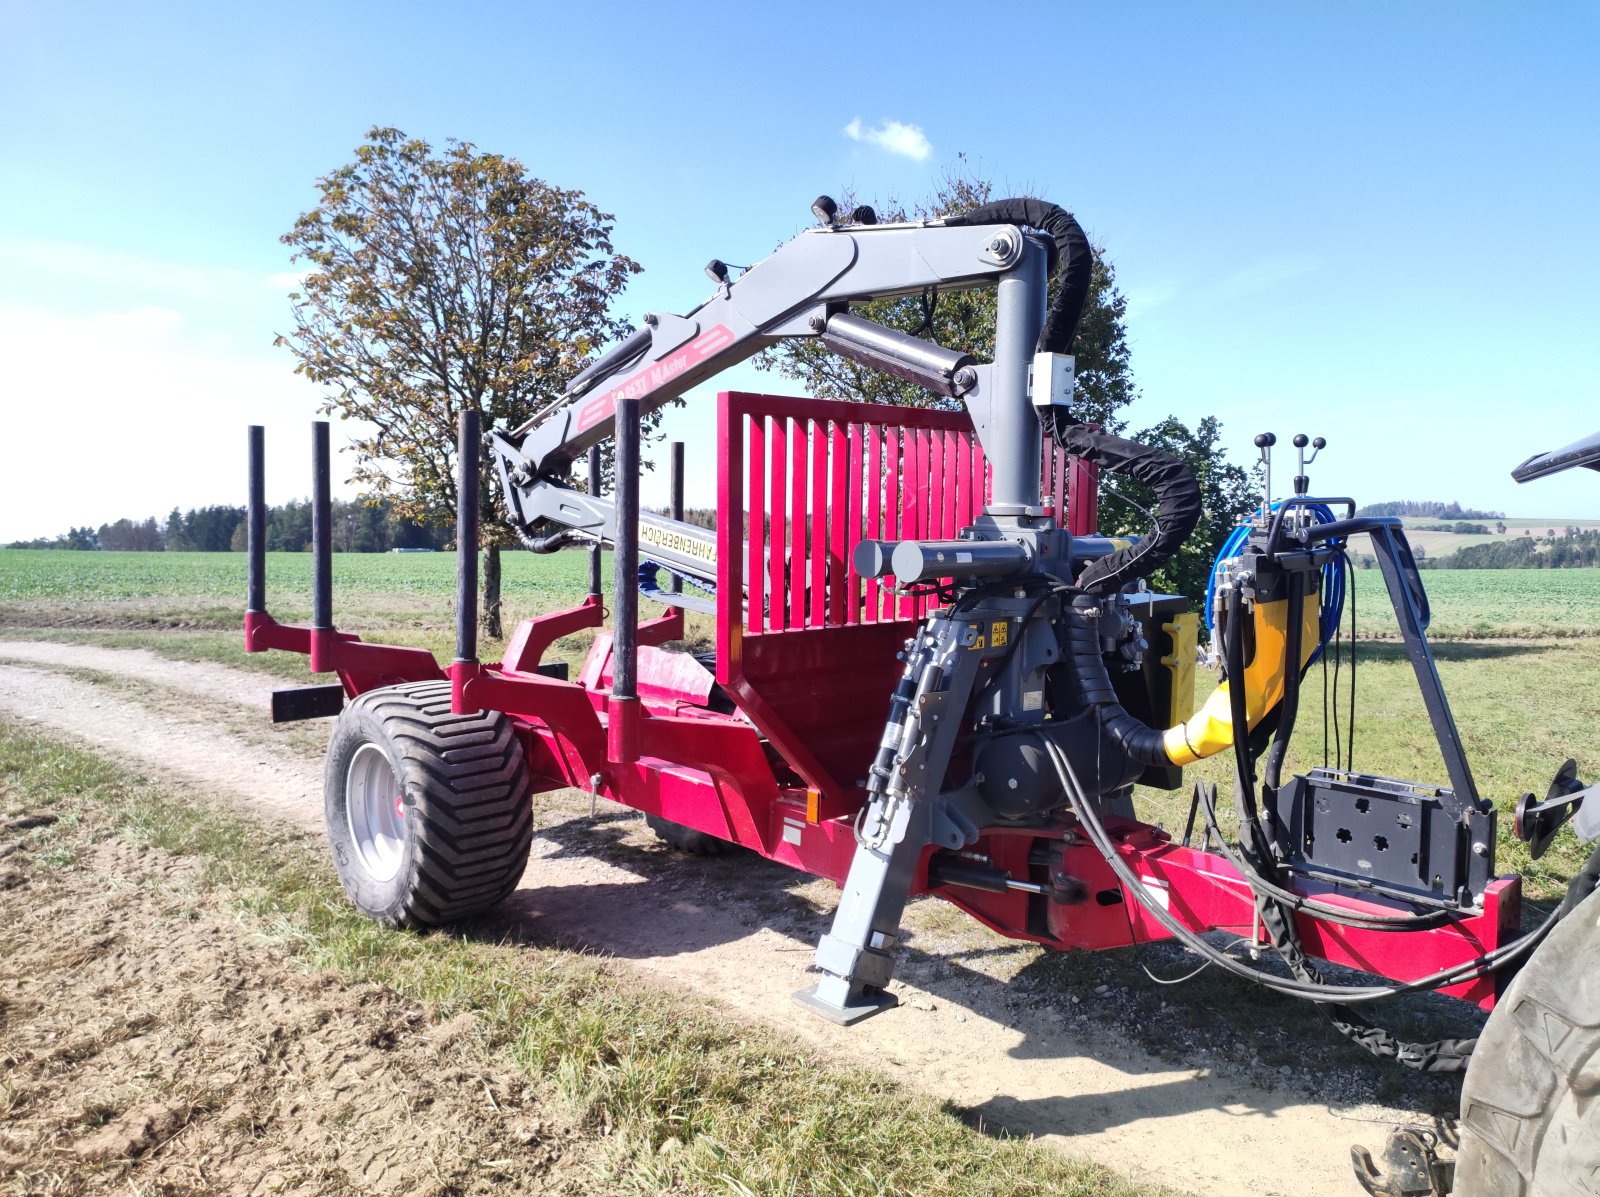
point(1376, 222)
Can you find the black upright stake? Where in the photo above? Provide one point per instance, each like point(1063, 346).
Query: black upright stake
point(625, 579)
point(255, 598)
point(675, 583)
point(594, 549)
point(321, 529)
point(467, 538)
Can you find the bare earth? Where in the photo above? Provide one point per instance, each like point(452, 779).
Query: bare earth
point(725, 930)
point(135, 1026)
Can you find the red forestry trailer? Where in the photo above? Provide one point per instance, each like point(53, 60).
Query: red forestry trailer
point(932, 675)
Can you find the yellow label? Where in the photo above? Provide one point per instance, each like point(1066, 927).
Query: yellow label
point(978, 643)
point(999, 632)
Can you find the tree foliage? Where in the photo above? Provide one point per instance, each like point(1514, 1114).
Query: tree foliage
point(964, 320)
point(440, 282)
point(1226, 491)
point(1429, 508)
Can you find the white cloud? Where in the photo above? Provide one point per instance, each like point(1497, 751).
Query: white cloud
point(897, 138)
point(287, 280)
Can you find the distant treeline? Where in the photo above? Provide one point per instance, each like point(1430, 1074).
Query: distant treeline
point(358, 527)
point(1429, 509)
point(1460, 529)
point(1579, 548)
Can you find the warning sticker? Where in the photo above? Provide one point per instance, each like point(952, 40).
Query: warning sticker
point(999, 632)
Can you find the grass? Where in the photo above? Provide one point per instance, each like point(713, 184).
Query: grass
point(667, 1096)
point(1521, 708)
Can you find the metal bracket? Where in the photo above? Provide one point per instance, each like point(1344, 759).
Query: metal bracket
point(307, 702)
point(1411, 1162)
point(1537, 822)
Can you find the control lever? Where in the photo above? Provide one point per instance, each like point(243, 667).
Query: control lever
point(1302, 483)
point(1264, 442)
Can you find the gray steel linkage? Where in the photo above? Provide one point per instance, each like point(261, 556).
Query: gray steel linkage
point(795, 293)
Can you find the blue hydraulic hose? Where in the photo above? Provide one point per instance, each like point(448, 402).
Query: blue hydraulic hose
point(1333, 577)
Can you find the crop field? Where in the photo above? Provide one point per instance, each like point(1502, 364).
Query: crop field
point(1516, 648)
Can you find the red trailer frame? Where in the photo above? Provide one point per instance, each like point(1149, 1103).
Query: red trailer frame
point(769, 749)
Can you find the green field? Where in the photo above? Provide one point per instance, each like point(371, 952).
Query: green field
point(1519, 650)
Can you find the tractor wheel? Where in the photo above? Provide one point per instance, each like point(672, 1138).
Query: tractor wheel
point(1530, 1105)
point(687, 839)
point(429, 814)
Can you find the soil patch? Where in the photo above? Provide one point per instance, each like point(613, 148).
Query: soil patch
point(144, 1047)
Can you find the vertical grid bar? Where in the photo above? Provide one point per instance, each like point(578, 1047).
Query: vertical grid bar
point(910, 524)
point(255, 587)
point(321, 531)
point(798, 523)
point(1060, 469)
point(675, 507)
point(777, 556)
point(817, 577)
point(467, 478)
point(936, 524)
point(730, 536)
point(873, 609)
point(838, 514)
point(982, 483)
point(594, 549)
point(756, 497)
point(964, 506)
point(946, 482)
point(853, 529)
point(892, 505)
point(920, 500)
point(1083, 497)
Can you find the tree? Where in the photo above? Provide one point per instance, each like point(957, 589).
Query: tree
point(438, 283)
point(964, 320)
point(1226, 491)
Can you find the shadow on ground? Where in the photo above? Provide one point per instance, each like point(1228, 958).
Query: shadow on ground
point(1019, 1003)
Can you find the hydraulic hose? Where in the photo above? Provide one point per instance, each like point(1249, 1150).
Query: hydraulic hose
point(1320, 992)
point(1178, 501)
point(552, 543)
point(1072, 253)
point(1080, 650)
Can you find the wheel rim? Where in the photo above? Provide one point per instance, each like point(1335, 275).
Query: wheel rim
point(375, 808)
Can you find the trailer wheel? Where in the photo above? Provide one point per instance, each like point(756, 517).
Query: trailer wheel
point(687, 839)
point(428, 813)
point(1530, 1105)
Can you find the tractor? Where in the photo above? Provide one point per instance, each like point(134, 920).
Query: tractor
point(932, 675)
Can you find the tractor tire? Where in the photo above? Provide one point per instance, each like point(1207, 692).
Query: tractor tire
point(687, 839)
point(429, 814)
point(1530, 1104)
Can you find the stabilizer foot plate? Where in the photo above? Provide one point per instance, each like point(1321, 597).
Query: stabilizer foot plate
point(857, 1008)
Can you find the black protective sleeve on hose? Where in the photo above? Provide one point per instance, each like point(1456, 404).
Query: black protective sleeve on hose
point(552, 543)
point(1072, 251)
point(1178, 502)
point(1080, 650)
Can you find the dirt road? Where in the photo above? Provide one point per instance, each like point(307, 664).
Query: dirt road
point(739, 932)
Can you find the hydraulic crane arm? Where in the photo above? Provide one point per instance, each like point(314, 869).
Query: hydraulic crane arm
point(799, 291)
